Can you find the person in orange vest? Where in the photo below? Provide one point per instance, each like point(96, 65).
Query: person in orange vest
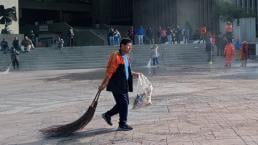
point(244, 54)
point(119, 80)
point(229, 30)
point(229, 53)
point(203, 31)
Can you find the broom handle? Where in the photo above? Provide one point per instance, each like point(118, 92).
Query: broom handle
point(97, 96)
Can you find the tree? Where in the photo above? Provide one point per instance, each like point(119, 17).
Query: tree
point(6, 17)
point(228, 12)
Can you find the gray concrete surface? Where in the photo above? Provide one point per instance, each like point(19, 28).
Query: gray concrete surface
point(192, 105)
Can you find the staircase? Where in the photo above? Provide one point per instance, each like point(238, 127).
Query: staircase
point(96, 57)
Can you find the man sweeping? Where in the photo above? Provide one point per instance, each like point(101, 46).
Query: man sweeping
point(119, 80)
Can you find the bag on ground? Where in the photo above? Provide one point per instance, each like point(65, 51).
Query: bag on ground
point(144, 92)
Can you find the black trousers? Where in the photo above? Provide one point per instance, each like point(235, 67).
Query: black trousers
point(15, 63)
point(121, 107)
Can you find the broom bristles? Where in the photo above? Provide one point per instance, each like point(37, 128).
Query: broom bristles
point(78, 124)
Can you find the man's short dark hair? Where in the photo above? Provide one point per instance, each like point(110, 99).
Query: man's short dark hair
point(125, 41)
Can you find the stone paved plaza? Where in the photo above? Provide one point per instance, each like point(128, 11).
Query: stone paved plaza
point(191, 106)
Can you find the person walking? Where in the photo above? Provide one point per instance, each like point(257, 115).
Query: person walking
point(119, 80)
point(244, 54)
point(131, 34)
point(203, 33)
point(14, 58)
point(229, 54)
point(155, 55)
point(32, 37)
point(60, 43)
point(26, 44)
point(150, 35)
point(237, 47)
point(4, 46)
point(16, 44)
point(169, 36)
point(117, 36)
point(71, 36)
point(209, 50)
point(110, 36)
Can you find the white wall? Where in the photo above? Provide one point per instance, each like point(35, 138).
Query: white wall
point(15, 25)
point(245, 31)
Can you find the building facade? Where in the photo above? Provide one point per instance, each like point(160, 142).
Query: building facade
point(250, 6)
point(113, 12)
point(71, 11)
point(157, 13)
point(116, 12)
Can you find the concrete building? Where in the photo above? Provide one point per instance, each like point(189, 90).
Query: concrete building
point(174, 12)
point(250, 6)
point(113, 12)
point(71, 11)
point(116, 12)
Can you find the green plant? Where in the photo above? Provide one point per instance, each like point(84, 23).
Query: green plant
point(228, 12)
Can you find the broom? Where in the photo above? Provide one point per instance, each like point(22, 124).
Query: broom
point(67, 129)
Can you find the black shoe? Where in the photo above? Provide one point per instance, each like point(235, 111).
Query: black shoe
point(107, 119)
point(124, 128)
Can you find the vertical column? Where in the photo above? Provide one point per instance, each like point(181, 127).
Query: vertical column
point(60, 15)
point(207, 8)
point(200, 12)
point(205, 11)
point(175, 12)
point(252, 5)
point(248, 6)
point(256, 7)
point(238, 3)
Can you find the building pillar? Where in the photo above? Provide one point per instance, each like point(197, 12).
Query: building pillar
point(256, 7)
point(238, 3)
point(60, 15)
point(248, 6)
point(201, 11)
point(252, 5)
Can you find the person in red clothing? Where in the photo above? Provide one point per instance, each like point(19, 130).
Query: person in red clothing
point(203, 33)
point(119, 80)
point(244, 54)
point(229, 54)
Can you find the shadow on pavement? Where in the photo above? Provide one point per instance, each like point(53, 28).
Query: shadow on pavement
point(95, 75)
point(74, 139)
point(71, 139)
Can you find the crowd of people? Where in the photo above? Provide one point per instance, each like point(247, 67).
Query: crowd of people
point(226, 45)
point(141, 35)
point(17, 47)
point(223, 45)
